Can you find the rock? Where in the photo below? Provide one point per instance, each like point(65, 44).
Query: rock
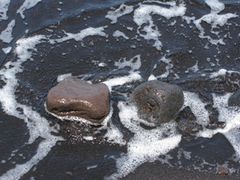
point(157, 102)
point(234, 100)
point(74, 97)
point(214, 122)
point(222, 170)
point(187, 122)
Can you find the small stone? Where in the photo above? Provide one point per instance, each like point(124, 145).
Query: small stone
point(222, 170)
point(234, 100)
point(74, 97)
point(157, 102)
point(187, 122)
point(69, 173)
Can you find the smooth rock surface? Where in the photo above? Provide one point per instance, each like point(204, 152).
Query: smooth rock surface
point(234, 100)
point(157, 102)
point(74, 97)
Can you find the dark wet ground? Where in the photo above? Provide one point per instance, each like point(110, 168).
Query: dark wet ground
point(76, 158)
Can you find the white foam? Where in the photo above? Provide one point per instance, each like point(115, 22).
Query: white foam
point(222, 72)
point(143, 13)
point(37, 125)
point(229, 115)
point(81, 120)
point(188, 19)
point(134, 63)
point(168, 67)
point(63, 76)
point(152, 77)
point(90, 31)
point(118, 33)
point(146, 145)
point(215, 5)
point(88, 138)
point(194, 68)
point(7, 50)
point(102, 64)
point(114, 135)
point(121, 11)
point(27, 4)
point(92, 167)
point(214, 19)
point(143, 17)
point(118, 81)
point(6, 34)
point(3, 9)
point(197, 106)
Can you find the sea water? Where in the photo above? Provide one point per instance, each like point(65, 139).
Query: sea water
point(120, 44)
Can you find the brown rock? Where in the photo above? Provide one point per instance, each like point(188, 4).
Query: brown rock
point(222, 170)
point(74, 97)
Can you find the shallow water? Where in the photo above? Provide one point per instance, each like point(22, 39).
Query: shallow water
point(192, 43)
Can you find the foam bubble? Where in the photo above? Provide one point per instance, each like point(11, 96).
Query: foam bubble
point(7, 50)
point(81, 120)
point(92, 167)
point(6, 35)
point(143, 13)
point(188, 19)
point(88, 138)
point(102, 64)
point(63, 76)
point(134, 63)
point(215, 5)
point(168, 67)
point(114, 135)
point(152, 77)
point(143, 17)
point(145, 145)
point(197, 106)
point(3, 9)
point(121, 11)
point(90, 31)
point(214, 19)
point(221, 72)
point(118, 33)
point(27, 4)
point(118, 81)
point(194, 68)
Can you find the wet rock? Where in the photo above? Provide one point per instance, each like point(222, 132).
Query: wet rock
point(215, 150)
point(74, 97)
point(187, 122)
point(157, 102)
point(222, 170)
point(234, 100)
point(214, 122)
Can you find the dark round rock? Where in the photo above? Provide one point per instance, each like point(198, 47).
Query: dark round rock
point(234, 100)
point(157, 102)
point(74, 97)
